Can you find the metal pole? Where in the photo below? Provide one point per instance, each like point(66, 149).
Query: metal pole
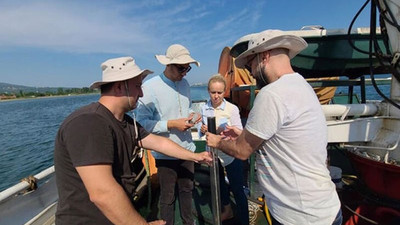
point(252, 156)
point(214, 176)
point(23, 185)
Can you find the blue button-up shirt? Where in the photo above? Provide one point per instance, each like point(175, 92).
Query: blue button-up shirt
point(165, 100)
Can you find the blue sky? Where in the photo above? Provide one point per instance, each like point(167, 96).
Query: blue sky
point(54, 43)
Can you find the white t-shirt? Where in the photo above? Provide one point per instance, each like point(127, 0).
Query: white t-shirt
point(291, 161)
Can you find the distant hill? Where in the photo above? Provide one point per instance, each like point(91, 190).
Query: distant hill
point(15, 89)
point(198, 84)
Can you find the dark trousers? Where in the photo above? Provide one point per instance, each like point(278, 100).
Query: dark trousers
point(235, 177)
point(170, 173)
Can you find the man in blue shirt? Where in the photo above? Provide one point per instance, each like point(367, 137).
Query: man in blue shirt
point(165, 109)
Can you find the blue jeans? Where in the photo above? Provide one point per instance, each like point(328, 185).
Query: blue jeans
point(338, 220)
point(234, 172)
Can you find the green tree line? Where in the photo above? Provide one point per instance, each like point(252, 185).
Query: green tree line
point(60, 91)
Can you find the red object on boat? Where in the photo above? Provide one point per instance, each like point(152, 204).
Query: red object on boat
point(381, 178)
point(365, 214)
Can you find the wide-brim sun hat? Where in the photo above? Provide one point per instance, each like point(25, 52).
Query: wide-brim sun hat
point(241, 45)
point(271, 39)
point(176, 54)
point(119, 69)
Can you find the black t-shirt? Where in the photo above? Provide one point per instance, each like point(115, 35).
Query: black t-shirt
point(89, 136)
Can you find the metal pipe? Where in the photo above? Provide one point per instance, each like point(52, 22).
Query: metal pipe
point(214, 176)
point(23, 185)
point(343, 110)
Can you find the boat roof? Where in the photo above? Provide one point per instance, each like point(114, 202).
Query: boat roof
point(336, 53)
point(319, 31)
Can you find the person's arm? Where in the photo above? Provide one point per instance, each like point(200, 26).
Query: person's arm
point(181, 124)
point(185, 104)
point(241, 147)
point(109, 196)
point(146, 115)
point(170, 148)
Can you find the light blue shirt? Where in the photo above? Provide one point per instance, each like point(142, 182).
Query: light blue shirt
point(165, 100)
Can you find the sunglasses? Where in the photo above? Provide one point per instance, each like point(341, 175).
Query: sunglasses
point(182, 69)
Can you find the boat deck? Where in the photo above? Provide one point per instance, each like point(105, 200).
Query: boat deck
point(202, 205)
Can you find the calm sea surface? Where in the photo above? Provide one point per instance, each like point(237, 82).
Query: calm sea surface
point(28, 128)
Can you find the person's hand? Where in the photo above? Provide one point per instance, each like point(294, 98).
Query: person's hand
point(213, 140)
point(181, 124)
point(196, 116)
point(157, 222)
point(203, 129)
point(204, 158)
point(231, 132)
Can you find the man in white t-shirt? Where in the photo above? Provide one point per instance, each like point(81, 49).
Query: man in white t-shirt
point(287, 129)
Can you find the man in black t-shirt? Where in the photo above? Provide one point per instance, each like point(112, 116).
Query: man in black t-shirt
point(96, 151)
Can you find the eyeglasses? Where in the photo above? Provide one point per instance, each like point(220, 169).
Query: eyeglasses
point(248, 63)
point(182, 69)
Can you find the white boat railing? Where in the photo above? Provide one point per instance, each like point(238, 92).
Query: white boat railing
point(23, 185)
point(344, 110)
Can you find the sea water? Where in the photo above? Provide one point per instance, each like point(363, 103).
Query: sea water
point(28, 128)
point(27, 131)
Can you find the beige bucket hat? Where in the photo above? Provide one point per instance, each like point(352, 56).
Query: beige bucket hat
point(119, 69)
point(271, 39)
point(176, 54)
point(241, 45)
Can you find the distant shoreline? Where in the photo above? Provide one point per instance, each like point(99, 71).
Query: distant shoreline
point(41, 97)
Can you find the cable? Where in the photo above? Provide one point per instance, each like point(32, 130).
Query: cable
point(395, 67)
point(371, 41)
point(393, 21)
point(361, 216)
point(395, 72)
point(351, 26)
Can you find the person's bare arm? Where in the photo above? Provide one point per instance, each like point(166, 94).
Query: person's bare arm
point(181, 124)
point(170, 148)
point(241, 147)
point(109, 196)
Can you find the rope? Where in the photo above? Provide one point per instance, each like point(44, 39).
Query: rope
point(253, 210)
point(31, 180)
point(359, 215)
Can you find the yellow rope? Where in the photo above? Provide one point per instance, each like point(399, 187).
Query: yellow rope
point(267, 213)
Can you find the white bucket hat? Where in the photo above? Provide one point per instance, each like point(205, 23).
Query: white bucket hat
point(271, 39)
point(241, 45)
point(176, 54)
point(119, 69)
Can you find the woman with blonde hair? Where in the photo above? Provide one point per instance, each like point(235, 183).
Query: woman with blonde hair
point(225, 114)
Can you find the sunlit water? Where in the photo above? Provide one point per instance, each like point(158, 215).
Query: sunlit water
point(28, 128)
